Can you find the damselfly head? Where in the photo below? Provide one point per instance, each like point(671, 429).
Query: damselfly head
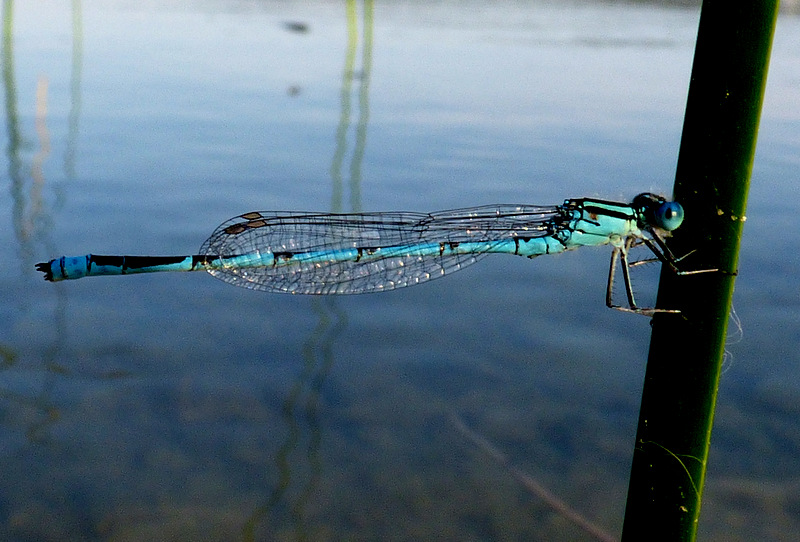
point(656, 212)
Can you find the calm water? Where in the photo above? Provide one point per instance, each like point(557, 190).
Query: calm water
point(178, 407)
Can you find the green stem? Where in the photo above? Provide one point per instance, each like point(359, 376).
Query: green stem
point(686, 351)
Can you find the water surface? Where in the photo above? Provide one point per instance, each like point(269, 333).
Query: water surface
point(176, 406)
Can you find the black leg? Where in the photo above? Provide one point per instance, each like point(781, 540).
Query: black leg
point(620, 254)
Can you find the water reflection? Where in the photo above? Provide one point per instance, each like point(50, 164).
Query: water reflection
point(76, 75)
point(37, 411)
point(14, 135)
point(12, 130)
point(312, 417)
point(37, 163)
point(349, 74)
point(38, 408)
point(300, 411)
point(28, 207)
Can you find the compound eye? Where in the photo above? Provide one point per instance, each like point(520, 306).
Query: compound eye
point(668, 216)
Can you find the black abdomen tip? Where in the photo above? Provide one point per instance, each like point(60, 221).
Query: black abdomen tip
point(47, 269)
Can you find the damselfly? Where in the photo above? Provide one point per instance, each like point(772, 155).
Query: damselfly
point(324, 253)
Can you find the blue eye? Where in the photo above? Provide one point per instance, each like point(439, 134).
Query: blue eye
point(668, 216)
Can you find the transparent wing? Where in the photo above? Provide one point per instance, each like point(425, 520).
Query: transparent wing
point(337, 235)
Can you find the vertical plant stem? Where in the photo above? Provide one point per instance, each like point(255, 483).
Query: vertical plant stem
point(686, 351)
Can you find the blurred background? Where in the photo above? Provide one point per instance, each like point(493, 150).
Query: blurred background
point(176, 407)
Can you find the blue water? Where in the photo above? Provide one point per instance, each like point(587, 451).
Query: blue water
point(175, 406)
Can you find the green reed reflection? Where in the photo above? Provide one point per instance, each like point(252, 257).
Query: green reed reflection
point(75, 89)
point(35, 409)
point(301, 408)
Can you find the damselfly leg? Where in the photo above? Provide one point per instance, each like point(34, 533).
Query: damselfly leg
point(662, 253)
